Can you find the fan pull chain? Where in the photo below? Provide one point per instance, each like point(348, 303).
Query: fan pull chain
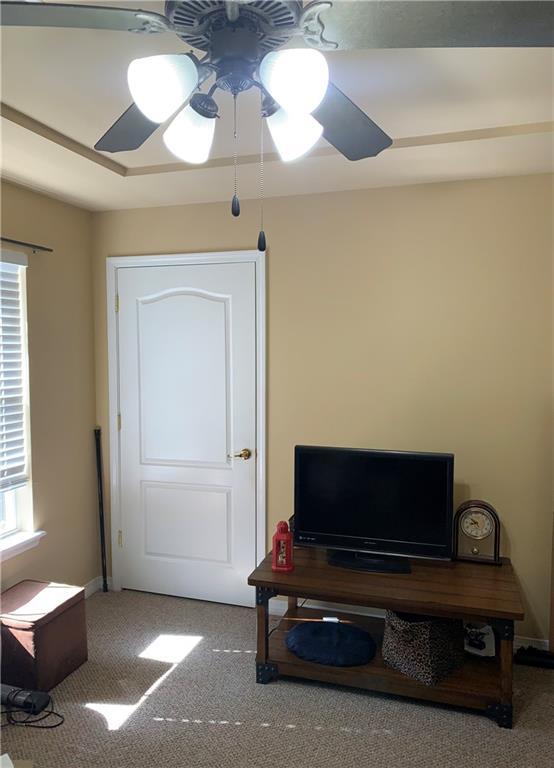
point(261, 237)
point(235, 203)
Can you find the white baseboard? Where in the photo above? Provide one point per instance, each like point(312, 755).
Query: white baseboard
point(278, 607)
point(520, 640)
point(95, 585)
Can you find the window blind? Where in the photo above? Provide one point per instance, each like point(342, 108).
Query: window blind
point(13, 395)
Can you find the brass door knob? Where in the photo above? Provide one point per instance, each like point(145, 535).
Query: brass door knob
point(245, 454)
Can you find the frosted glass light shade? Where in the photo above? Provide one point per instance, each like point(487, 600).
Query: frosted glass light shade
point(296, 78)
point(160, 84)
point(293, 135)
point(190, 135)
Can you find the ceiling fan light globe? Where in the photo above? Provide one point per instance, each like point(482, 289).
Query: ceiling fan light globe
point(293, 135)
point(189, 136)
point(160, 84)
point(297, 78)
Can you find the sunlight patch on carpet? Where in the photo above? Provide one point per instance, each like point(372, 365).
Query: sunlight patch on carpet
point(171, 649)
point(114, 714)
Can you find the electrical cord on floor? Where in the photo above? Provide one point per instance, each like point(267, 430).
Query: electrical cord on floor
point(17, 716)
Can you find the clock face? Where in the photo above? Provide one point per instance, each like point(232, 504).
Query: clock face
point(477, 523)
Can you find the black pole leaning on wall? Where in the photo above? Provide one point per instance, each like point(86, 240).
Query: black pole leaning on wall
point(98, 445)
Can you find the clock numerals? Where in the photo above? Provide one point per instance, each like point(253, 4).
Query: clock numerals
point(477, 524)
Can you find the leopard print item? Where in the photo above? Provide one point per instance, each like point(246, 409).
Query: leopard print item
point(427, 649)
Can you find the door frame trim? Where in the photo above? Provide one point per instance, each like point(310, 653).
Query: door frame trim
point(113, 264)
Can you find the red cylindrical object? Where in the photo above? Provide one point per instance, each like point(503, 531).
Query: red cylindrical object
point(282, 549)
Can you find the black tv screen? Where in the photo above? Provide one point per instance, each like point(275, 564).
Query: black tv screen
point(387, 502)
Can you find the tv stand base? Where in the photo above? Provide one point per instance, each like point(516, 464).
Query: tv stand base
point(457, 590)
point(360, 561)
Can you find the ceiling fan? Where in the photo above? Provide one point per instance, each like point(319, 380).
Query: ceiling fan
point(243, 41)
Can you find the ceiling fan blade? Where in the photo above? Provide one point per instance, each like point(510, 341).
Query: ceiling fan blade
point(25, 14)
point(349, 129)
point(129, 132)
point(439, 23)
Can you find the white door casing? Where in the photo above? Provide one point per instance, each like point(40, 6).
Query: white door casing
point(186, 367)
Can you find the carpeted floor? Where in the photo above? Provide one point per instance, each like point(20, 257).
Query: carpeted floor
point(206, 711)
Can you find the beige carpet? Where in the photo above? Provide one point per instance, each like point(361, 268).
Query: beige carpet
point(207, 711)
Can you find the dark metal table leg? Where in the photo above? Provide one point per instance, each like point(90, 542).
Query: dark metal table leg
point(502, 712)
point(266, 671)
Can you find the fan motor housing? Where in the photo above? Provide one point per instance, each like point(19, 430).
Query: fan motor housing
point(234, 43)
point(271, 22)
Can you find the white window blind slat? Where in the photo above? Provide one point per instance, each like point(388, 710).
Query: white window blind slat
point(13, 431)
point(9, 420)
point(14, 448)
point(12, 436)
point(11, 413)
point(14, 440)
point(15, 258)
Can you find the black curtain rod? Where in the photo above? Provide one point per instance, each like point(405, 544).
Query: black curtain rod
point(33, 247)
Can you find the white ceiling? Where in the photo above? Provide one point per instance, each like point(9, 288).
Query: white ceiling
point(74, 81)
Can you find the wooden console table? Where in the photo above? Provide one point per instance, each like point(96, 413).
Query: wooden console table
point(470, 591)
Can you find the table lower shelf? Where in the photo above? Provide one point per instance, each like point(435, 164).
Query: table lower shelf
point(476, 685)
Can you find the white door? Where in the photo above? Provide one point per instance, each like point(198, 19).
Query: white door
point(187, 399)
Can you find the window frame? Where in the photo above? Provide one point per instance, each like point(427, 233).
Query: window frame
point(21, 534)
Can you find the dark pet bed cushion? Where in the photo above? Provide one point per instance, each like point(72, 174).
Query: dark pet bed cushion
point(325, 642)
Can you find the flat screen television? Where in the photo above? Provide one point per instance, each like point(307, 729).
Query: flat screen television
point(370, 502)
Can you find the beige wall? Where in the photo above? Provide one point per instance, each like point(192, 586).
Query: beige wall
point(410, 318)
point(61, 352)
